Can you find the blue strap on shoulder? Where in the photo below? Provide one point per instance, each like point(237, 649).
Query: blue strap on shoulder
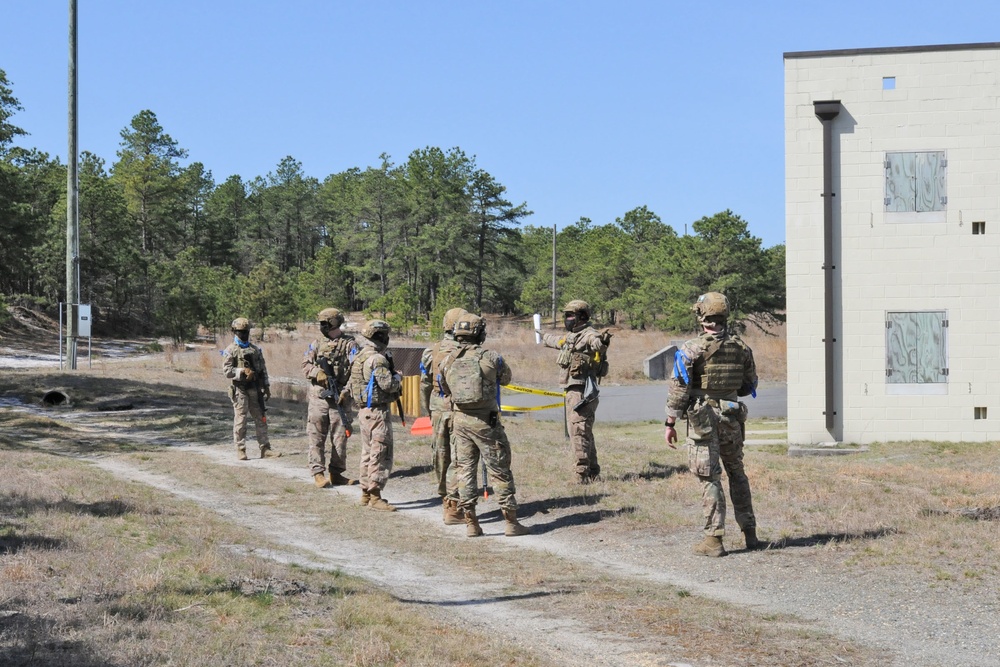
point(680, 368)
point(371, 385)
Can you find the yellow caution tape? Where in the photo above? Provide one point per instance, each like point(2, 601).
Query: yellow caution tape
point(527, 390)
point(511, 408)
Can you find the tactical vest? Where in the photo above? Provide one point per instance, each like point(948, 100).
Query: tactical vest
point(441, 352)
point(247, 357)
point(585, 363)
point(337, 352)
point(363, 381)
point(472, 387)
point(720, 368)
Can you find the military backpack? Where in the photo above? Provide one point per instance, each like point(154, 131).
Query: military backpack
point(465, 380)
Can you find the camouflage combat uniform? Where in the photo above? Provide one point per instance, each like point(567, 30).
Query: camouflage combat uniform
point(478, 431)
point(438, 404)
point(246, 394)
point(710, 373)
point(374, 388)
point(578, 352)
point(330, 411)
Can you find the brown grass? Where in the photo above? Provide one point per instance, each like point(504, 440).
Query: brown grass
point(533, 364)
point(64, 527)
point(94, 572)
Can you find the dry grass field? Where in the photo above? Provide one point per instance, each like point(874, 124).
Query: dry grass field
point(95, 570)
point(533, 364)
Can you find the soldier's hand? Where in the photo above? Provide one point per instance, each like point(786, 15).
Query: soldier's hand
point(248, 374)
point(398, 376)
point(670, 435)
point(267, 393)
point(344, 395)
point(321, 377)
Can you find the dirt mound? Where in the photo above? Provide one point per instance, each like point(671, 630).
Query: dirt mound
point(31, 319)
point(28, 330)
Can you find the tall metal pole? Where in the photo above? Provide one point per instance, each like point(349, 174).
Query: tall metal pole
point(72, 204)
point(554, 321)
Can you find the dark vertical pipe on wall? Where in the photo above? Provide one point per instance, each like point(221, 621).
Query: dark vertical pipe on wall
point(826, 112)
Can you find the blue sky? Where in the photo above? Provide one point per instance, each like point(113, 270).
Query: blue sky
point(580, 108)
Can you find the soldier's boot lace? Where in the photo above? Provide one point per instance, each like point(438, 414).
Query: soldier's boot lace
point(378, 502)
point(241, 454)
point(711, 546)
point(472, 528)
point(753, 544)
point(453, 515)
point(320, 480)
point(512, 528)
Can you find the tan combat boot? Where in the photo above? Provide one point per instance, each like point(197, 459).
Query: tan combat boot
point(241, 454)
point(268, 453)
point(512, 528)
point(472, 528)
point(320, 480)
point(711, 546)
point(753, 543)
point(337, 479)
point(453, 516)
point(365, 498)
point(377, 502)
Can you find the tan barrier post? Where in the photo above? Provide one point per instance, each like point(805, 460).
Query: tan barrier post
point(411, 396)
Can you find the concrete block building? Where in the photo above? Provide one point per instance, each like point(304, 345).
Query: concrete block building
point(892, 200)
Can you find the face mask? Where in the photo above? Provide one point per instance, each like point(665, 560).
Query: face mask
point(243, 335)
point(570, 322)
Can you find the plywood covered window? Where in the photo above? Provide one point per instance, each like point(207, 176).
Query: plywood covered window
point(916, 347)
point(916, 186)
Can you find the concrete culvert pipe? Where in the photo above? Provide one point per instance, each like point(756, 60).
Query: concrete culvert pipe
point(55, 397)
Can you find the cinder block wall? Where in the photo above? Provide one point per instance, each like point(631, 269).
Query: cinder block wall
point(943, 100)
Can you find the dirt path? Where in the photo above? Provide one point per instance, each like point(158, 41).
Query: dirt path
point(407, 578)
point(913, 622)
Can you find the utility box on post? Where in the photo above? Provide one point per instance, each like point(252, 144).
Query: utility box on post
point(83, 320)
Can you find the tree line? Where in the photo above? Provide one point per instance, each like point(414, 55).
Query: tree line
point(165, 248)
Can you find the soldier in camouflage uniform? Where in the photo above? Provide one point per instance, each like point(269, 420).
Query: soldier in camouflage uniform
point(438, 404)
point(327, 365)
point(581, 353)
point(710, 373)
point(374, 387)
point(472, 376)
point(243, 363)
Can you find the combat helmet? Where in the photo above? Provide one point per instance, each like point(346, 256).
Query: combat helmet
point(451, 317)
point(471, 327)
point(711, 306)
point(331, 317)
point(578, 306)
point(377, 331)
point(241, 324)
